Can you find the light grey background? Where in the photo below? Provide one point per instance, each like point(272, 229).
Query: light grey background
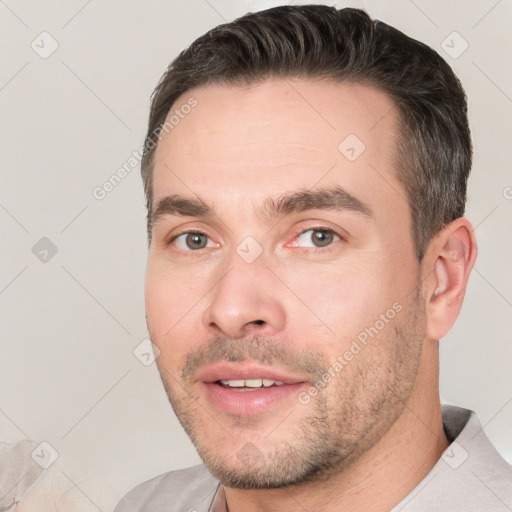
point(69, 325)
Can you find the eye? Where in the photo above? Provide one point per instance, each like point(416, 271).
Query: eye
point(192, 241)
point(317, 238)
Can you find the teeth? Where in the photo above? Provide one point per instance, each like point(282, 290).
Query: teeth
point(233, 383)
point(251, 383)
point(254, 383)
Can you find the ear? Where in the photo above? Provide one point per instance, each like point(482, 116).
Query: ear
point(450, 257)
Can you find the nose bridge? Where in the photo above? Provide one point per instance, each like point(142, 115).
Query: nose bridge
point(243, 299)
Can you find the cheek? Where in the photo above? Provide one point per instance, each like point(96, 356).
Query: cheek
point(160, 304)
point(169, 292)
point(173, 310)
point(345, 299)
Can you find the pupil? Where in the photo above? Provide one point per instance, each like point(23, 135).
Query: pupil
point(196, 241)
point(322, 238)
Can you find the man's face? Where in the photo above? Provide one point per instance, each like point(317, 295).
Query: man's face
point(282, 284)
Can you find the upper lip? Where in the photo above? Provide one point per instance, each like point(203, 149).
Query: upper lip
point(244, 371)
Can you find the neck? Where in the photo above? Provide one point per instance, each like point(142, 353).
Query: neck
point(380, 478)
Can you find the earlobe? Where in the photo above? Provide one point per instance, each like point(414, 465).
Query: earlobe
point(451, 254)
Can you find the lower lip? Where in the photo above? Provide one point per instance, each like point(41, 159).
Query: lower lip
point(248, 403)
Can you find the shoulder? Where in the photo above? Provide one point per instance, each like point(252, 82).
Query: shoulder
point(29, 481)
point(486, 475)
point(185, 489)
point(471, 475)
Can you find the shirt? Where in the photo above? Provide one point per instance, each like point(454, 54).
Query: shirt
point(30, 482)
point(470, 476)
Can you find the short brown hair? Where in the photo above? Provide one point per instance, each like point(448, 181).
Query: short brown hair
point(320, 42)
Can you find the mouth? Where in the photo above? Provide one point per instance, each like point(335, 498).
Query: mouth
point(247, 390)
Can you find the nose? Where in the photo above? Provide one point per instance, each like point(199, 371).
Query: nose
point(244, 302)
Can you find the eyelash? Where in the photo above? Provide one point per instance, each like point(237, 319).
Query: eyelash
point(296, 235)
point(324, 229)
point(188, 232)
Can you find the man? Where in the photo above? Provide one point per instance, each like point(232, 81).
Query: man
point(305, 171)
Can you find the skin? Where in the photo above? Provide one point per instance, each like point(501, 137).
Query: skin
point(375, 430)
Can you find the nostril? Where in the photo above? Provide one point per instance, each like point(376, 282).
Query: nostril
point(259, 322)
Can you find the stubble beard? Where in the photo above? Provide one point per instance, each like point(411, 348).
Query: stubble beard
point(354, 411)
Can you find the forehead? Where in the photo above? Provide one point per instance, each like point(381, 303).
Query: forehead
point(242, 144)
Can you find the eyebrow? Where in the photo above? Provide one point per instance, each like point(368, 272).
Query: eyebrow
point(181, 206)
point(324, 199)
point(292, 202)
